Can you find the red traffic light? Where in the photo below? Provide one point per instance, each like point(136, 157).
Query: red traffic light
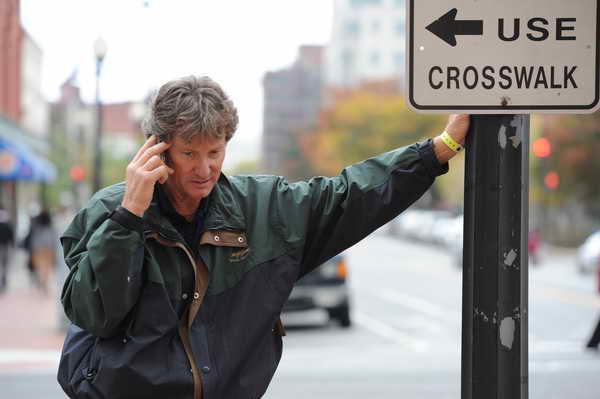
point(552, 180)
point(542, 147)
point(77, 173)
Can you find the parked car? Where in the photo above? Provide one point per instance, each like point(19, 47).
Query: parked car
point(325, 288)
point(588, 254)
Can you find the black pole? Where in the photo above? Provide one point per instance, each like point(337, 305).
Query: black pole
point(43, 195)
point(495, 259)
point(97, 182)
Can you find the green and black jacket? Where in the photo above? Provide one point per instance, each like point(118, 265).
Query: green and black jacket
point(260, 236)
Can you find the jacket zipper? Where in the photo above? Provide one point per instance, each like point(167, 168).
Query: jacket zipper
point(184, 327)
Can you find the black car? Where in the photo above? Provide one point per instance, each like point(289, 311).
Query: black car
point(324, 288)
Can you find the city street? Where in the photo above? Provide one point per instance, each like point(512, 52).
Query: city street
point(405, 341)
point(210, 118)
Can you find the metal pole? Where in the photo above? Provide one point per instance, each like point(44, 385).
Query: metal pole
point(97, 182)
point(495, 259)
point(44, 195)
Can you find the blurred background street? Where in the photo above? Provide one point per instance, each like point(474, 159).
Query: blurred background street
point(404, 342)
point(319, 84)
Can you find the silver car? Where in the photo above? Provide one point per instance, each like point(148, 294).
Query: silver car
point(325, 288)
point(588, 254)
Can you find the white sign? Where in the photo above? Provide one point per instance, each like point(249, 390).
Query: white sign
point(512, 56)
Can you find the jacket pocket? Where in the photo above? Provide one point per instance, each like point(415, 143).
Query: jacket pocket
point(77, 363)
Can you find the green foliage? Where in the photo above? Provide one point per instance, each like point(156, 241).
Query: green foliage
point(114, 170)
point(363, 124)
point(64, 154)
point(575, 147)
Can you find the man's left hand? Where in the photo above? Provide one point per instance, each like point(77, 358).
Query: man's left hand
point(457, 127)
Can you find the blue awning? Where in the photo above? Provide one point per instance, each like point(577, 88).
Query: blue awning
point(19, 162)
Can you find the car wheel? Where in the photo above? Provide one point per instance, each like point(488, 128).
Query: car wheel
point(342, 315)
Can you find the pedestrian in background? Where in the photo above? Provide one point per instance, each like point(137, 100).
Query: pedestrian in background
point(7, 237)
point(534, 241)
point(595, 338)
point(43, 249)
point(26, 246)
point(178, 276)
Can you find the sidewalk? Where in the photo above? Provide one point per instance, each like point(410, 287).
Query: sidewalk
point(30, 336)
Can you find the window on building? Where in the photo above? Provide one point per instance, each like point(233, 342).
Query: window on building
point(400, 28)
point(347, 57)
point(361, 3)
point(374, 59)
point(398, 60)
point(375, 26)
point(399, 3)
point(351, 28)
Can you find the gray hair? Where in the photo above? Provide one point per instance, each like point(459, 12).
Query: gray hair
point(188, 107)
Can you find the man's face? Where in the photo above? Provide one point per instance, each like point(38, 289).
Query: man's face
point(197, 165)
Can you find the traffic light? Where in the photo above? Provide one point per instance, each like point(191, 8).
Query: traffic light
point(552, 180)
point(77, 173)
point(542, 147)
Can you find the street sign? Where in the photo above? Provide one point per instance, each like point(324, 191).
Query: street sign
point(495, 57)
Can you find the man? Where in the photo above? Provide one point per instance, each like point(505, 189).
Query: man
point(176, 288)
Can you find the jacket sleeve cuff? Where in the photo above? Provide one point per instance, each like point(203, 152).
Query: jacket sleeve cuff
point(127, 219)
point(427, 154)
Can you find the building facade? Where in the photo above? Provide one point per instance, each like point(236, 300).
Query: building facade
point(73, 130)
point(34, 106)
point(122, 128)
point(23, 115)
point(292, 100)
point(11, 39)
point(367, 42)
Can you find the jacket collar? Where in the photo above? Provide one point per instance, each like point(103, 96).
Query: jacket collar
point(224, 212)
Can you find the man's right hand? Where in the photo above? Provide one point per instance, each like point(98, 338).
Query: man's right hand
point(144, 170)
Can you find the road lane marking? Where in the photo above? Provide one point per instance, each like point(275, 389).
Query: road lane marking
point(9, 356)
point(389, 332)
point(420, 305)
point(570, 297)
point(412, 302)
point(554, 347)
point(588, 364)
point(29, 361)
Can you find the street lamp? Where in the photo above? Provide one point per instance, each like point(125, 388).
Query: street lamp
point(100, 49)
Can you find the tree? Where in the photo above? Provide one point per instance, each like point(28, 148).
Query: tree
point(575, 141)
point(362, 124)
point(372, 120)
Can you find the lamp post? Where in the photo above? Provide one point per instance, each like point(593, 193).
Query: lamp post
point(100, 49)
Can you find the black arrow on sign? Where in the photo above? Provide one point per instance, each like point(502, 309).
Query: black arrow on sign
point(447, 27)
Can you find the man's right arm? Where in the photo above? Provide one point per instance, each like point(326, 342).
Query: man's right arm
point(105, 250)
point(105, 253)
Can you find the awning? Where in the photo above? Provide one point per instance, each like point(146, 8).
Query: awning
point(18, 161)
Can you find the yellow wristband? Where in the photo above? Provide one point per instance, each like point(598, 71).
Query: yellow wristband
point(450, 142)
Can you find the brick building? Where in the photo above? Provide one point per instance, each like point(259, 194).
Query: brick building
point(11, 39)
point(23, 117)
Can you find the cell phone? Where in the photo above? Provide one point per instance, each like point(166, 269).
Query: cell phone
point(163, 155)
